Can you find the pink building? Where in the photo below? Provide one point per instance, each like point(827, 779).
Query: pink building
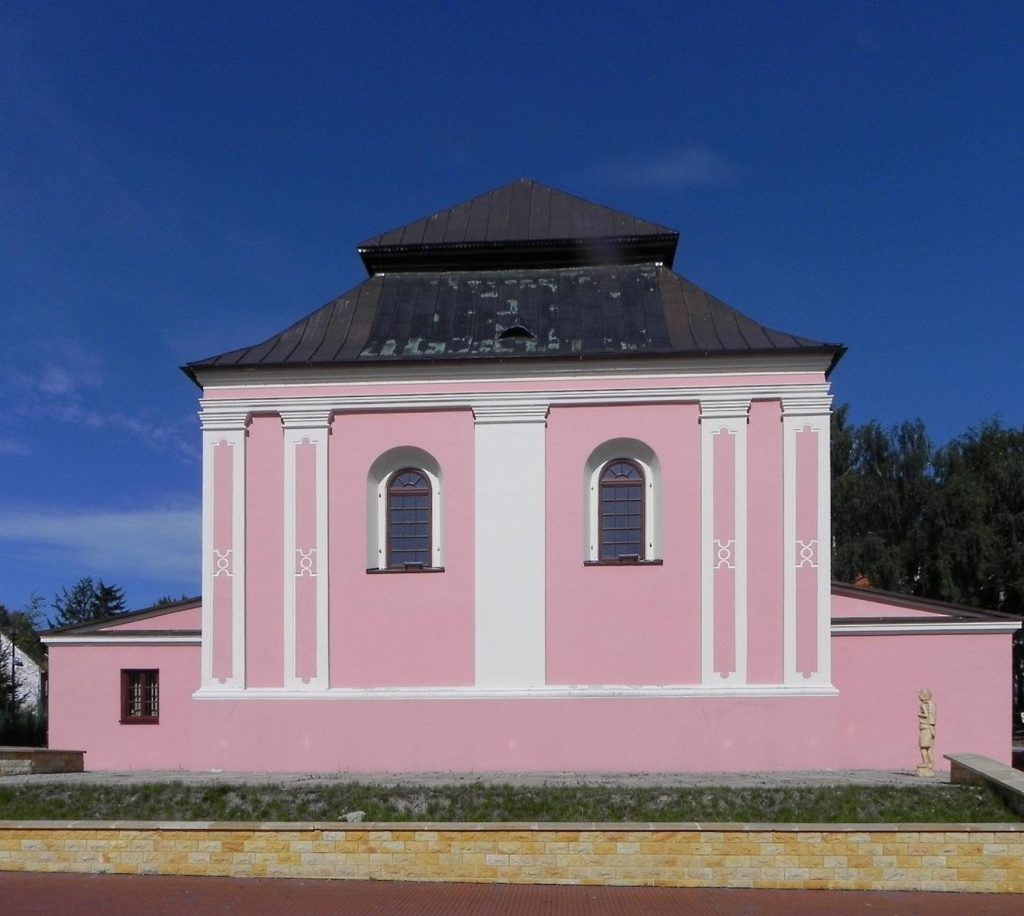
point(524, 499)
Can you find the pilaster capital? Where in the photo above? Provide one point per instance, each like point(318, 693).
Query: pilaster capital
point(719, 407)
point(511, 412)
point(306, 418)
point(217, 417)
point(813, 403)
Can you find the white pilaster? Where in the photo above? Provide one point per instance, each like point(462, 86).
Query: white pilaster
point(310, 560)
point(224, 427)
point(809, 411)
point(510, 544)
point(723, 416)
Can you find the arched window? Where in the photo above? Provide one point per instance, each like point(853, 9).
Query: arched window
point(621, 511)
point(404, 491)
point(408, 519)
point(622, 492)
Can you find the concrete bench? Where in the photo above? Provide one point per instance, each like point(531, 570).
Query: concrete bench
point(24, 761)
point(975, 769)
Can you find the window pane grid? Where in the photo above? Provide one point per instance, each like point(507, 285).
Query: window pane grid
point(621, 511)
point(408, 534)
point(140, 696)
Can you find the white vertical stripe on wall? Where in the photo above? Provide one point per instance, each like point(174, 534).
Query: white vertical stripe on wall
point(510, 544)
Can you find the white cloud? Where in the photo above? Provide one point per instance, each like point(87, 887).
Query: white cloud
point(56, 387)
point(60, 368)
point(162, 544)
point(9, 446)
point(693, 166)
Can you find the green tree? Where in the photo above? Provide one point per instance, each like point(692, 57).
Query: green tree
point(168, 599)
point(976, 532)
point(109, 599)
point(86, 601)
point(883, 489)
point(20, 724)
point(944, 523)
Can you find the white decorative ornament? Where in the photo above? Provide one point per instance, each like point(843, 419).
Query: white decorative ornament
point(808, 551)
point(222, 563)
point(723, 554)
point(305, 565)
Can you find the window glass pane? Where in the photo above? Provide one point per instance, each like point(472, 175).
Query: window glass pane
point(621, 510)
point(408, 534)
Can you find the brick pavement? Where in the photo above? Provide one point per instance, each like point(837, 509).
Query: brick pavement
point(38, 894)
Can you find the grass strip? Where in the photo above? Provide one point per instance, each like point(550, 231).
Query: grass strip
point(479, 802)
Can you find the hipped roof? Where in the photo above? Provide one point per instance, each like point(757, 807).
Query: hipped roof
point(522, 271)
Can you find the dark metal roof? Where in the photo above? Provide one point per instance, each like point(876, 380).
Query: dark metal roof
point(522, 271)
point(521, 224)
point(582, 311)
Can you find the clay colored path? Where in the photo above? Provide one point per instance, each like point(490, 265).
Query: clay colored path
point(37, 894)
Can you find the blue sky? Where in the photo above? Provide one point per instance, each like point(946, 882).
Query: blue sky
point(181, 179)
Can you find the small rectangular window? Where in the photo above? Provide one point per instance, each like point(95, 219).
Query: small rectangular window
point(140, 696)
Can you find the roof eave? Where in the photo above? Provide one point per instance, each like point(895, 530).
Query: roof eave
point(830, 354)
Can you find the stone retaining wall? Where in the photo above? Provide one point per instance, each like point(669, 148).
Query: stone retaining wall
point(987, 858)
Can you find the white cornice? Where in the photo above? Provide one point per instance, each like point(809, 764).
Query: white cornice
point(523, 693)
point(513, 370)
point(226, 420)
point(513, 410)
point(719, 406)
point(126, 639)
point(312, 418)
point(808, 404)
point(495, 403)
point(913, 627)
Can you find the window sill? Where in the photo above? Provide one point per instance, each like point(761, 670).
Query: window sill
point(140, 720)
point(623, 562)
point(403, 570)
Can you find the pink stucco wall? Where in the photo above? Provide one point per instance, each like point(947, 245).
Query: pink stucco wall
point(604, 625)
point(85, 705)
point(623, 624)
point(879, 678)
point(401, 629)
point(518, 735)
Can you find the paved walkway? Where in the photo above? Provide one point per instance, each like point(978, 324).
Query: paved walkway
point(34, 894)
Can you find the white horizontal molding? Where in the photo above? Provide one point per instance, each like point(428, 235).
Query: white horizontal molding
point(109, 639)
point(478, 370)
point(514, 693)
point(517, 407)
point(912, 627)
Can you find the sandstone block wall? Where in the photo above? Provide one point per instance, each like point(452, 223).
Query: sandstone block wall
point(987, 858)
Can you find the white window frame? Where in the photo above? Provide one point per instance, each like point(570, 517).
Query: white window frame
point(381, 471)
point(644, 456)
